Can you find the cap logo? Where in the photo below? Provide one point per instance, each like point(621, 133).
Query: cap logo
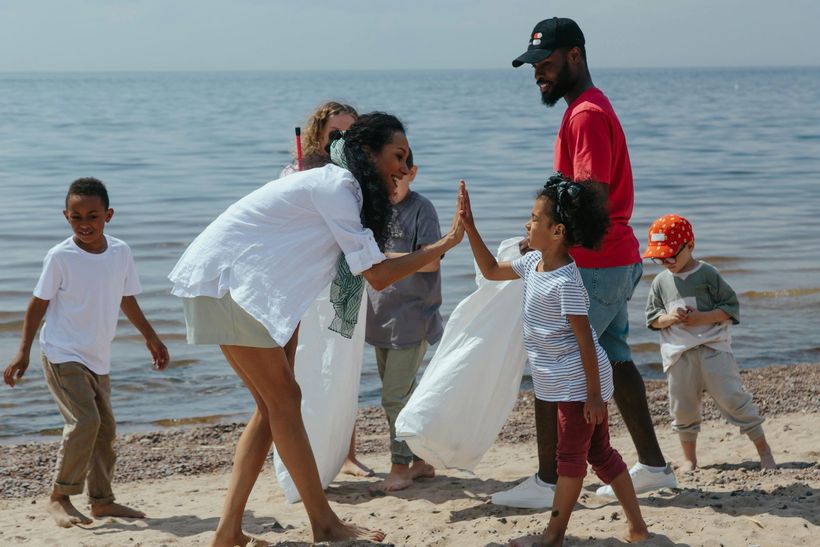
point(658, 237)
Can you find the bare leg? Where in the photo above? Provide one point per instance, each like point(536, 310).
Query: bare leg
point(353, 466)
point(269, 375)
point(765, 452)
point(567, 491)
point(636, 527)
point(630, 396)
point(63, 511)
point(690, 456)
point(546, 435)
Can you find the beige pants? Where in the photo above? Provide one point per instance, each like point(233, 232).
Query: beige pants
point(87, 450)
point(397, 369)
point(705, 369)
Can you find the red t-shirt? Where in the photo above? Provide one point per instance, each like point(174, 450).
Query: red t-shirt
point(591, 145)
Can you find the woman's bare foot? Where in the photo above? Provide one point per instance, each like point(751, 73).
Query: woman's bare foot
point(539, 540)
point(242, 540)
point(64, 513)
point(399, 478)
point(342, 531)
point(636, 535)
point(354, 467)
point(115, 510)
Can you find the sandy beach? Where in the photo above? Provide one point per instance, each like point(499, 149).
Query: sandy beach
point(179, 476)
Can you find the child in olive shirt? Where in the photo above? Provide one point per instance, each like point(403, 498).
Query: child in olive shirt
point(692, 307)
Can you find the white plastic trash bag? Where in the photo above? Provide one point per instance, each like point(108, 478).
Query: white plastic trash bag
point(328, 369)
point(472, 382)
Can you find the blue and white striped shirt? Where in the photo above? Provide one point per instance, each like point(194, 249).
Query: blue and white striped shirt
point(552, 350)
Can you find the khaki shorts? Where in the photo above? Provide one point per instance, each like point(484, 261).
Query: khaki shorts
point(223, 322)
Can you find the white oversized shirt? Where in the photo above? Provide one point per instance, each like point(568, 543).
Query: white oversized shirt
point(85, 292)
point(276, 249)
point(552, 349)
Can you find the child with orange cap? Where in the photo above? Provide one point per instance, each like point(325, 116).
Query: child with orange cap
point(692, 307)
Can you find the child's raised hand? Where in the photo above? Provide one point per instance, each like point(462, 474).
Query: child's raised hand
point(466, 208)
point(16, 369)
point(594, 410)
point(159, 353)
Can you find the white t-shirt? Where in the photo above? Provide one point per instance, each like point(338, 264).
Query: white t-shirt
point(85, 292)
point(276, 249)
point(552, 350)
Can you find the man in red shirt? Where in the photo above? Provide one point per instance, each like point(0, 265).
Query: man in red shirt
point(591, 146)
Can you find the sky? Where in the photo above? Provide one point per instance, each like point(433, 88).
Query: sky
point(107, 35)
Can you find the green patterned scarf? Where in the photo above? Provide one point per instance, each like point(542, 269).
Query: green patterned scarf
point(346, 289)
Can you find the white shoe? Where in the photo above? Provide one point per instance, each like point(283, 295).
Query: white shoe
point(529, 494)
point(644, 480)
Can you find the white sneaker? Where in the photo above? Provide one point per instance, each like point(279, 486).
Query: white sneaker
point(645, 480)
point(529, 494)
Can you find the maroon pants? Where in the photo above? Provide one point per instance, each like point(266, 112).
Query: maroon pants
point(580, 442)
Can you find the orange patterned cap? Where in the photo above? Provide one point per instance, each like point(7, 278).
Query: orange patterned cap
point(666, 235)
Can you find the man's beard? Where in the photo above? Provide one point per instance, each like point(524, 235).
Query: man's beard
point(562, 85)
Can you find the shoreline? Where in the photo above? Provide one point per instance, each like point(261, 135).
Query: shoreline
point(26, 468)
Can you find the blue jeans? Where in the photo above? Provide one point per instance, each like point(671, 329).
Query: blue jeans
point(609, 292)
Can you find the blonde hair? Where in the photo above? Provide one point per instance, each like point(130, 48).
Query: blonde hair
point(312, 153)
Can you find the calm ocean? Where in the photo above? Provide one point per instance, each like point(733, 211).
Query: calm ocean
point(735, 151)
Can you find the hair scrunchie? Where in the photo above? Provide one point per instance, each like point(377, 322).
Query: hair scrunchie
point(337, 152)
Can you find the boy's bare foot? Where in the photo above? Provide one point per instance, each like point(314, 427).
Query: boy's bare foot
point(688, 466)
point(354, 467)
point(765, 453)
point(422, 470)
point(342, 531)
point(539, 540)
point(399, 478)
point(115, 510)
point(64, 513)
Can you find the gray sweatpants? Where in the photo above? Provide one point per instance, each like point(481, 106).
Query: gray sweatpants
point(705, 369)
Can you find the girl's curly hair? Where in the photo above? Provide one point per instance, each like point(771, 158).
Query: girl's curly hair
point(580, 206)
point(365, 139)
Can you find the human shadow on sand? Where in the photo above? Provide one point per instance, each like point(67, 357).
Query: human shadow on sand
point(187, 525)
point(796, 500)
point(657, 540)
point(439, 489)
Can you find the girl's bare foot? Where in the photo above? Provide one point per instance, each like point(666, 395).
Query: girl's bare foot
point(354, 467)
point(341, 531)
point(767, 461)
point(64, 513)
point(115, 510)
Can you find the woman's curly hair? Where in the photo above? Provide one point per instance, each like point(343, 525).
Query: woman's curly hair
point(365, 139)
point(312, 152)
point(580, 206)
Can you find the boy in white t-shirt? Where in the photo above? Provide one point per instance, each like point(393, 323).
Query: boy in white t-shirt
point(86, 280)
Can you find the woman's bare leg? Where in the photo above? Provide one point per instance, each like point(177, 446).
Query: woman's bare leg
point(270, 375)
point(251, 451)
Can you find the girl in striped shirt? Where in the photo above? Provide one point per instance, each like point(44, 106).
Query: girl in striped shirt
point(568, 365)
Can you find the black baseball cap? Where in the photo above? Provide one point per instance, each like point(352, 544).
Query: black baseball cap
point(547, 36)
